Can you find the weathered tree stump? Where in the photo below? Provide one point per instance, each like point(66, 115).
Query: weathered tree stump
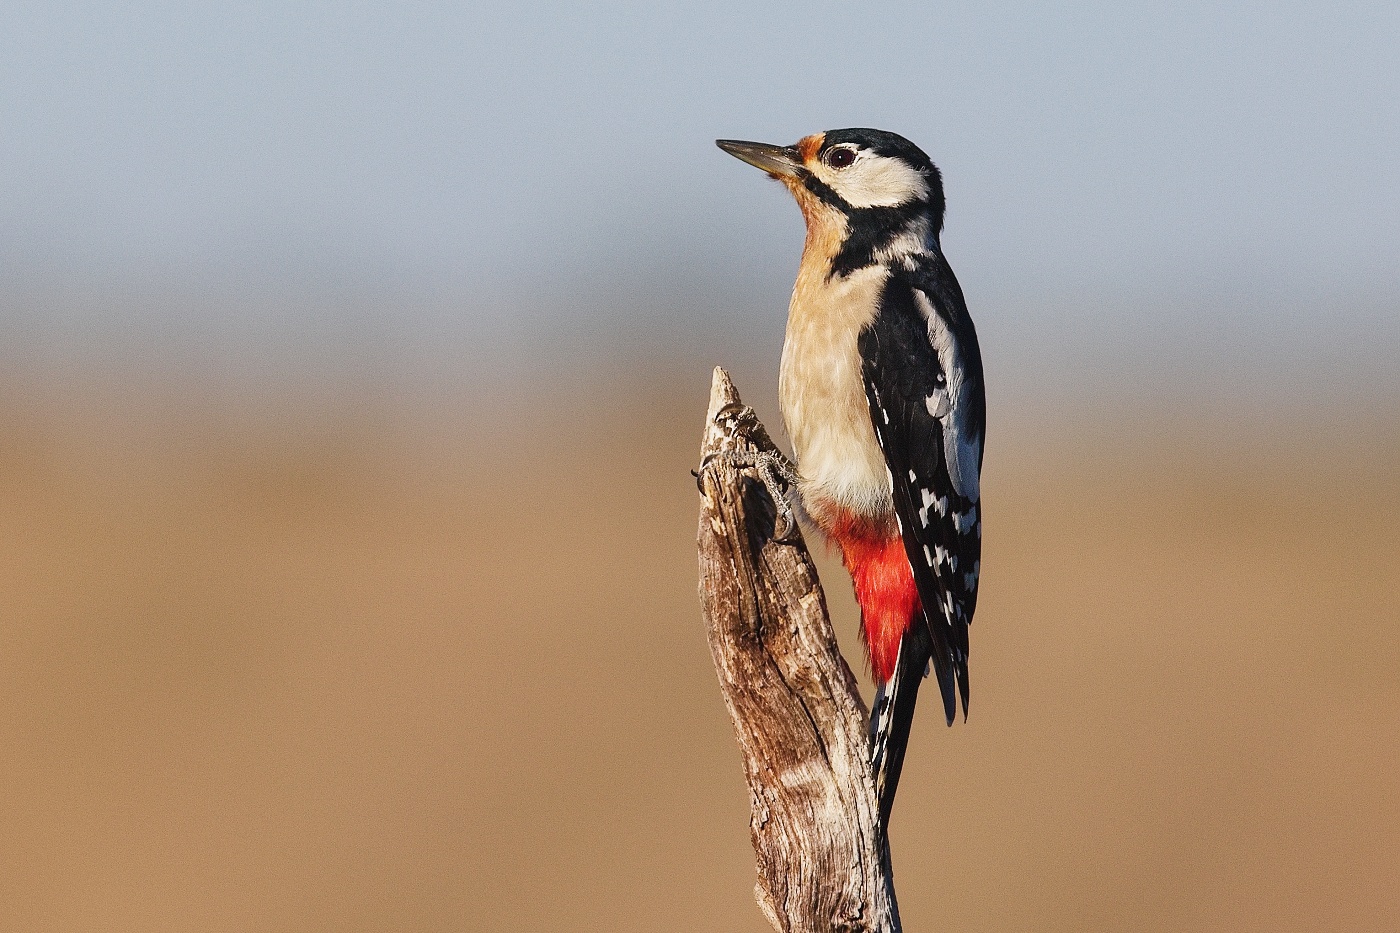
point(823, 861)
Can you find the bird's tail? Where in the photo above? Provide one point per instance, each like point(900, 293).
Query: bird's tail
point(893, 716)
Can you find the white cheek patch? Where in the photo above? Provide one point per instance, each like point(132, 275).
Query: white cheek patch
point(875, 181)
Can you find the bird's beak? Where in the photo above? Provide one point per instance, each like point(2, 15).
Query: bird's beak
point(778, 161)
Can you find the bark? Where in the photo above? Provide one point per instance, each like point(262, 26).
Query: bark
point(823, 862)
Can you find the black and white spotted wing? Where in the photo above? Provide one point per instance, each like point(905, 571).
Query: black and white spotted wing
point(923, 379)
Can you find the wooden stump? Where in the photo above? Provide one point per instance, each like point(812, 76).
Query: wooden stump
point(823, 861)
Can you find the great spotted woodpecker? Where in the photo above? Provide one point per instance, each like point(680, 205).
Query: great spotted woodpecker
point(882, 395)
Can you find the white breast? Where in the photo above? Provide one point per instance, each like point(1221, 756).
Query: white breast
point(822, 392)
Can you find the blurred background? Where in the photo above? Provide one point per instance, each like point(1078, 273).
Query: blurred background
point(353, 358)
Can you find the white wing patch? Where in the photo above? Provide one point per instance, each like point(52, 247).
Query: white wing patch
point(923, 509)
point(939, 504)
point(962, 447)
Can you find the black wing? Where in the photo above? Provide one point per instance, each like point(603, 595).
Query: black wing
point(923, 380)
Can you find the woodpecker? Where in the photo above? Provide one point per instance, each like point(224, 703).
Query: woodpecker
point(882, 396)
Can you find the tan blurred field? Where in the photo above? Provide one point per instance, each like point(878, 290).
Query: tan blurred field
point(342, 673)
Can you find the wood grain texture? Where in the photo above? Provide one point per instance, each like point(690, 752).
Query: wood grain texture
point(823, 863)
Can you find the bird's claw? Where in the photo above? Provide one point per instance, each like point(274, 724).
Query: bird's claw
point(742, 415)
point(775, 471)
point(777, 475)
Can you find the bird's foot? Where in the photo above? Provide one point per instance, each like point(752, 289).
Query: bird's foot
point(777, 473)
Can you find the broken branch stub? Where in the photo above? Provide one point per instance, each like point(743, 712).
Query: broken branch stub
point(823, 863)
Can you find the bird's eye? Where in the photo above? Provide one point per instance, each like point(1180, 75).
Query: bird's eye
point(839, 158)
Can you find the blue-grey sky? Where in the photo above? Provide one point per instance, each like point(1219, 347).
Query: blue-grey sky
point(1127, 184)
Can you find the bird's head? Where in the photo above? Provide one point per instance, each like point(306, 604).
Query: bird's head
point(869, 197)
point(849, 172)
